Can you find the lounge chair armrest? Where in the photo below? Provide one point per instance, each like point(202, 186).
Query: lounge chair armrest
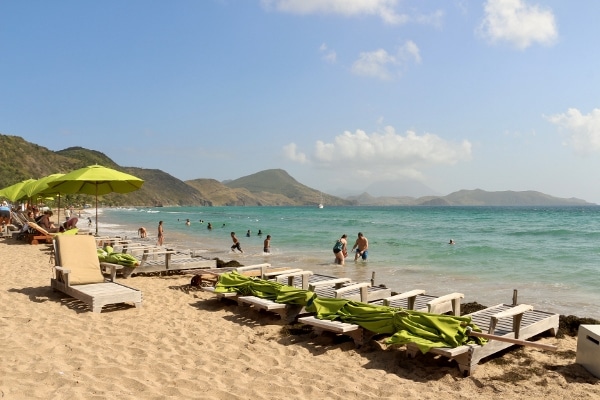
point(330, 282)
point(251, 267)
point(268, 274)
point(61, 269)
point(445, 298)
point(411, 295)
point(517, 315)
point(289, 278)
point(247, 269)
point(283, 277)
point(348, 288)
point(405, 295)
point(112, 269)
point(520, 309)
point(454, 298)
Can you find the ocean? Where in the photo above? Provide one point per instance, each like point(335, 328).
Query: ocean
point(550, 255)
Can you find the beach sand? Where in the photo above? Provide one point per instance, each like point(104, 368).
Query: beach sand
point(182, 343)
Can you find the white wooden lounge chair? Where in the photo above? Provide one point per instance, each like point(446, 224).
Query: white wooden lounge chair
point(417, 300)
point(348, 291)
point(77, 273)
point(365, 293)
point(155, 259)
point(287, 312)
point(257, 270)
point(509, 322)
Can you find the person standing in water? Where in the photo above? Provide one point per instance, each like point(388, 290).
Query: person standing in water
point(340, 250)
point(161, 234)
point(361, 246)
point(267, 244)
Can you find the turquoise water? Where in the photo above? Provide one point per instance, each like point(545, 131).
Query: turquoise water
point(551, 255)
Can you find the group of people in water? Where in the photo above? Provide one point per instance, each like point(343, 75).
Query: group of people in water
point(237, 246)
point(360, 248)
point(236, 243)
point(340, 248)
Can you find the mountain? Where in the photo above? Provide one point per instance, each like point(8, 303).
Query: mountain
point(475, 197)
point(20, 160)
point(265, 184)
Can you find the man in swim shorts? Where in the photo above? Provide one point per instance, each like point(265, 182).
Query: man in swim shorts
point(236, 243)
point(361, 246)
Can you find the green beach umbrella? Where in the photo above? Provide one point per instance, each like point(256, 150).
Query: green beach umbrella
point(14, 192)
point(96, 180)
point(42, 187)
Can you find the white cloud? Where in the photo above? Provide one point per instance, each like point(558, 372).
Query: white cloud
point(291, 152)
point(374, 64)
point(516, 22)
point(410, 52)
point(383, 65)
point(328, 55)
point(385, 9)
point(584, 130)
point(388, 154)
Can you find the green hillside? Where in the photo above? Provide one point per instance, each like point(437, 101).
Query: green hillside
point(20, 160)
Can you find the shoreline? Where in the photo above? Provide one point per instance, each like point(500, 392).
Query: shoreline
point(183, 343)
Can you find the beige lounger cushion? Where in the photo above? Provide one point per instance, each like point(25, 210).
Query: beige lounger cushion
point(78, 254)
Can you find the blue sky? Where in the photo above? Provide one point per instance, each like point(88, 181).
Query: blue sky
point(342, 94)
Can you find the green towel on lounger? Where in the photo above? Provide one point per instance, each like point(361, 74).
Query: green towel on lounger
point(424, 329)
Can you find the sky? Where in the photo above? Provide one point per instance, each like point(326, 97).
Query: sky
point(346, 96)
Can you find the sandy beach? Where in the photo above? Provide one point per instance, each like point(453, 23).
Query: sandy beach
point(182, 343)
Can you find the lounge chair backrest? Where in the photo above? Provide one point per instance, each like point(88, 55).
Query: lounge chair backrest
point(78, 254)
point(39, 228)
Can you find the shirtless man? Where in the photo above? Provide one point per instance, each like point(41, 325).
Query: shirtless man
point(361, 246)
point(236, 243)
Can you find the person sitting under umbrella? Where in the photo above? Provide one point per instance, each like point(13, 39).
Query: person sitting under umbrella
point(45, 222)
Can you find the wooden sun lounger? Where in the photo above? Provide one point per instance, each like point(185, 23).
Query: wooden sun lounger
point(365, 293)
point(39, 234)
point(407, 300)
point(287, 312)
point(507, 321)
point(256, 270)
point(159, 260)
point(356, 332)
point(419, 301)
point(77, 274)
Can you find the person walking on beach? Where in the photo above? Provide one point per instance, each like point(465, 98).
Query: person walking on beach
point(267, 244)
point(236, 243)
point(161, 234)
point(361, 246)
point(340, 249)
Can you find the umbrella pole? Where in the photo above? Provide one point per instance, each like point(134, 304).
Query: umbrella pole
point(96, 208)
point(542, 346)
